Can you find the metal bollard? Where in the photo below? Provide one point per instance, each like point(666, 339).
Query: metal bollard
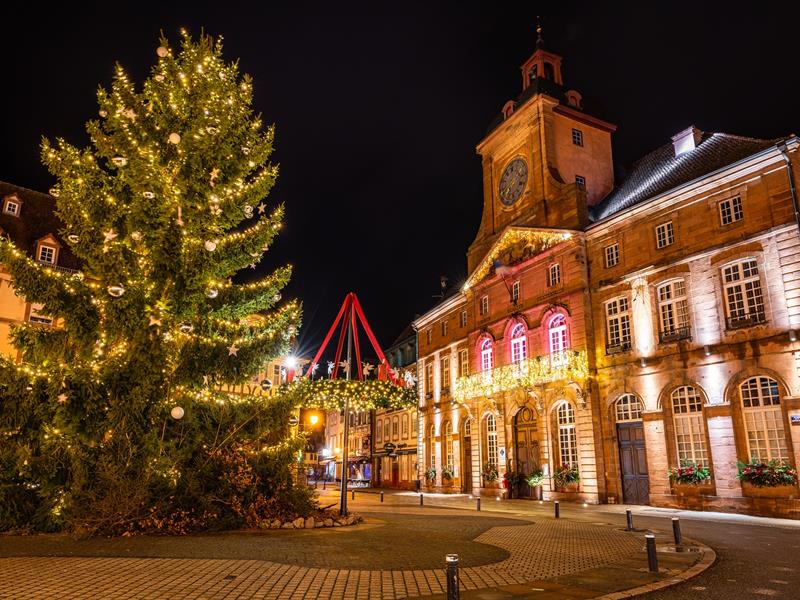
point(421, 502)
point(324, 482)
point(558, 509)
point(652, 557)
point(381, 496)
point(478, 504)
point(629, 518)
point(676, 531)
point(452, 576)
point(353, 497)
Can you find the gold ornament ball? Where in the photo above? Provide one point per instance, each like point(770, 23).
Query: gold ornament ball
point(161, 51)
point(212, 293)
point(210, 245)
point(174, 138)
point(116, 290)
point(177, 412)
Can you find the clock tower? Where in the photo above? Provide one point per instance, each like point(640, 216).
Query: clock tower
point(545, 159)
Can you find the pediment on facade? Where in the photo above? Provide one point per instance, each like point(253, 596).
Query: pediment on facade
point(515, 245)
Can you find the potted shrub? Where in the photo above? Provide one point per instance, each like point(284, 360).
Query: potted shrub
point(489, 473)
point(690, 479)
point(430, 475)
point(510, 481)
point(535, 480)
point(447, 476)
point(772, 479)
point(567, 478)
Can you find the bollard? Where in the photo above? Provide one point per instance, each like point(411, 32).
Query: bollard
point(324, 482)
point(629, 517)
point(420, 500)
point(652, 558)
point(452, 576)
point(381, 496)
point(676, 531)
point(558, 509)
point(479, 504)
point(353, 497)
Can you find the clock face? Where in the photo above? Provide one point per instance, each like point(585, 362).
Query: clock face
point(513, 181)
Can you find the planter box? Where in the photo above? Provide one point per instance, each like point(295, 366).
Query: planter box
point(778, 491)
point(570, 487)
point(692, 489)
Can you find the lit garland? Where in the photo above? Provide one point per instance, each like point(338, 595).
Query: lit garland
point(539, 239)
point(330, 394)
point(528, 373)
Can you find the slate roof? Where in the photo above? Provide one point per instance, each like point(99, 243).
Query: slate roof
point(37, 218)
point(405, 335)
point(661, 171)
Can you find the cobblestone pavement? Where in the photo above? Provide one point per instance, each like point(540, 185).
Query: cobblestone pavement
point(505, 553)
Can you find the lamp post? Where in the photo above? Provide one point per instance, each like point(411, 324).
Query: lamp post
point(346, 442)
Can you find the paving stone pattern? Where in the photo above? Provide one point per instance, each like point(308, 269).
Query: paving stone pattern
point(537, 551)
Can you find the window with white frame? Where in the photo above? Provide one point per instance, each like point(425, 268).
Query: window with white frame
point(463, 363)
point(665, 235)
point(487, 356)
point(581, 181)
point(484, 305)
point(730, 210)
point(515, 292)
point(36, 315)
point(395, 428)
point(449, 461)
point(763, 419)
point(432, 449)
point(690, 431)
point(612, 255)
point(463, 318)
point(444, 328)
point(628, 408)
point(405, 426)
point(468, 428)
point(554, 275)
point(490, 441)
point(577, 137)
point(559, 344)
point(277, 375)
point(618, 324)
point(744, 303)
point(444, 376)
point(47, 254)
point(428, 378)
point(379, 430)
point(519, 344)
point(567, 437)
point(11, 207)
point(673, 308)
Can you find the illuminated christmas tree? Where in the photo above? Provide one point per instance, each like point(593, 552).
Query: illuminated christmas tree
point(111, 422)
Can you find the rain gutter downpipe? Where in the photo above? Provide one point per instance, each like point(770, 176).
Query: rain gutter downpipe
point(792, 189)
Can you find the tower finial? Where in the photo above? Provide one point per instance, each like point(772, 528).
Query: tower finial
point(539, 38)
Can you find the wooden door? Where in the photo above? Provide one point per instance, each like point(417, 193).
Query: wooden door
point(527, 449)
point(633, 463)
point(466, 465)
point(395, 473)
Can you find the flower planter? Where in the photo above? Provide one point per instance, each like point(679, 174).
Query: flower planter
point(777, 491)
point(536, 492)
point(569, 488)
point(692, 489)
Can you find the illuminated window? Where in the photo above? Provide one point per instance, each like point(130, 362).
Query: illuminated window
point(449, 461)
point(612, 255)
point(665, 235)
point(468, 428)
point(490, 439)
point(395, 428)
point(763, 419)
point(428, 378)
point(47, 254)
point(484, 305)
point(628, 408)
point(431, 449)
point(567, 437)
point(444, 328)
point(730, 210)
point(405, 426)
point(559, 344)
point(519, 344)
point(444, 376)
point(744, 303)
point(690, 433)
point(487, 357)
point(618, 325)
point(673, 310)
point(515, 292)
point(276, 375)
point(581, 181)
point(463, 363)
point(577, 137)
point(463, 318)
point(554, 275)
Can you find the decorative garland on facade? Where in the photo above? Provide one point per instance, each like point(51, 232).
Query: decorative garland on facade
point(525, 375)
point(330, 394)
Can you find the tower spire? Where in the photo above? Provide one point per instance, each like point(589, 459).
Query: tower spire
point(539, 38)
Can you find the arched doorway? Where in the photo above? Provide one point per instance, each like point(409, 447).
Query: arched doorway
point(632, 454)
point(527, 448)
point(466, 463)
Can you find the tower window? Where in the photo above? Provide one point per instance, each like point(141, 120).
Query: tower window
point(581, 181)
point(577, 137)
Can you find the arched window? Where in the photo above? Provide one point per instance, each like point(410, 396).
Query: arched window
point(432, 448)
point(448, 446)
point(690, 431)
point(490, 439)
point(468, 428)
point(559, 344)
point(628, 408)
point(567, 437)
point(487, 356)
point(519, 344)
point(763, 420)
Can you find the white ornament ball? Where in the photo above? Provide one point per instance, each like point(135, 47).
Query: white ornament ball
point(248, 211)
point(161, 51)
point(136, 235)
point(187, 328)
point(73, 238)
point(103, 113)
point(212, 293)
point(148, 195)
point(177, 412)
point(210, 245)
point(55, 192)
point(116, 290)
point(174, 138)
point(276, 298)
point(159, 77)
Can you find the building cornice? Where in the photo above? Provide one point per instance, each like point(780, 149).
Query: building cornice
point(439, 311)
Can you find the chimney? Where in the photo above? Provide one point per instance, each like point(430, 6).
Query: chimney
point(686, 140)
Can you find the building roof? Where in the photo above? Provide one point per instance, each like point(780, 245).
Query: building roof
point(661, 171)
point(36, 220)
point(407, 334)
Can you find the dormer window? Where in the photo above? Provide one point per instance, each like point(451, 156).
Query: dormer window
point(47, 254)
point(11, 206)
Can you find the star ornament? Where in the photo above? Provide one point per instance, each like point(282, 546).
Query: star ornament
point(109, 235)
point(155, 322)
point(261, 208)
point(62, 398)
point(233, 350)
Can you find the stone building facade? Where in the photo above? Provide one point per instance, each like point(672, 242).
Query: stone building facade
point(613, 332)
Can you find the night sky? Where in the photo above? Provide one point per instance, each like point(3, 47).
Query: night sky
point(379, 107)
